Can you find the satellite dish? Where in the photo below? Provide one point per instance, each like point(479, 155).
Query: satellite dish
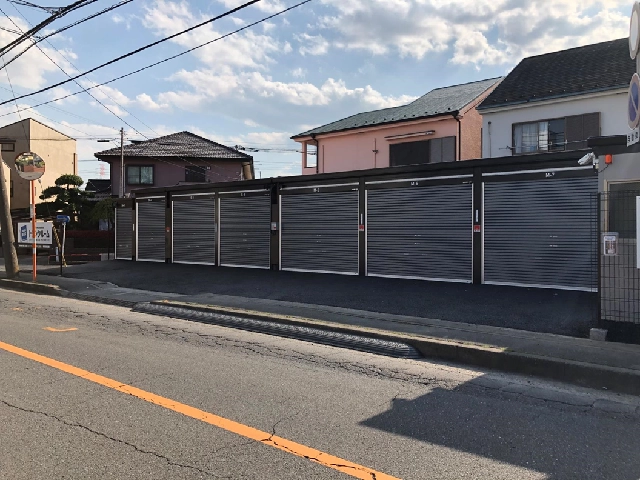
point(29, 166)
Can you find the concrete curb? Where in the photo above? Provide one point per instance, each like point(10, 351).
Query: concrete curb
point(584, 374)
point(31, 287)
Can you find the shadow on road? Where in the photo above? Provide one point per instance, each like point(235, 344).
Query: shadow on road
point(561, 442)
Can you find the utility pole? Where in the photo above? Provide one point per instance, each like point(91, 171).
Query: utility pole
point(122, 162)
point(11, 266)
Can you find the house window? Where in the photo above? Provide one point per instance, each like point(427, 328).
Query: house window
point(139, 175)
point(195, 174)
point(558, 134)
point(311, 156)
point(436, 150)
point(8, 147)
point(544, 136)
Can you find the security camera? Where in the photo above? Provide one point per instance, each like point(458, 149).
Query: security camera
point(587, 159)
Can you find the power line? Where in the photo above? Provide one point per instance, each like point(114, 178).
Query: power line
point(60, 13)
point(33, 5)
point(97, 14)
point(64, 97)
point(138, 50)
point(92, 96)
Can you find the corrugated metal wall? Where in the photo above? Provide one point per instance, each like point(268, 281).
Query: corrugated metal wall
point(540, 232)
point(245, 230)
point(150, 231)
point(124, 233)
point(319, 232)
point(420, 232)
point(194, 229)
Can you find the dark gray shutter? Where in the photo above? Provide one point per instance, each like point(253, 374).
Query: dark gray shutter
point(449, 149)
point(151, 229)
point(540, 233)
point(194, 230)
point(591, 125)
point(436, 150)
point(320, 232)
point(579, 128)
point(420, 232)
point(124, 233)
point(245, 231)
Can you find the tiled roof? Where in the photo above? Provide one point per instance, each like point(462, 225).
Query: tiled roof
point(182, 144)
point(600, 67)
point(441, 101)
point(98, 185)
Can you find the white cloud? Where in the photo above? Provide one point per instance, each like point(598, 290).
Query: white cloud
point(298, 72)
point(267, 6)
point(32, 69)
point(243, 50)
point(238, 22)
point(481, 31)
point(313, 44)
point(147, 103)
point(250, 123)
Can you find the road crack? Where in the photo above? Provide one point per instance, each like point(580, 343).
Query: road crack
point(113, 439)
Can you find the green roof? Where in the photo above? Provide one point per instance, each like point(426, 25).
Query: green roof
point(441, 101)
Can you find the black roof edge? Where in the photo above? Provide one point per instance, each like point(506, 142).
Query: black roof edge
point(453, 113)
point(509, 163)
point(550, 97)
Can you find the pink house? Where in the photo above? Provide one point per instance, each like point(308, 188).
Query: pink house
point(176, 159)
point(441, 126)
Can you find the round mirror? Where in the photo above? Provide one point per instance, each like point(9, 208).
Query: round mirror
point(634, 31)
point(30, 166)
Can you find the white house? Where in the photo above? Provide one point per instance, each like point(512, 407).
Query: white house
point(555, 102)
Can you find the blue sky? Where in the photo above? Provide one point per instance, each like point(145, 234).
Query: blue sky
point(323, 61)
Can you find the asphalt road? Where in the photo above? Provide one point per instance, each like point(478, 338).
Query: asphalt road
point(404, 419)
point(540, 310)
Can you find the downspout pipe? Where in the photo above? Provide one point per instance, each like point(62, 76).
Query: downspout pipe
point(457, 117)
point(313, 137)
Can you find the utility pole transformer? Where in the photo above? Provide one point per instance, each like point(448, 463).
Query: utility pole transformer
point(11, 266)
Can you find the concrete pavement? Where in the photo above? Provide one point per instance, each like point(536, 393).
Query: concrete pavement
point(575, 360)
point(404, 418)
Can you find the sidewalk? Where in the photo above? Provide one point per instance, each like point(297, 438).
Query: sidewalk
point(575, 360)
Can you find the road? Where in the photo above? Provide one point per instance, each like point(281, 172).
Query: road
point(91, 391)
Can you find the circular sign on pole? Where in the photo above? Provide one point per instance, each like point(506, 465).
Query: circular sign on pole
point(634, 31)
point(633, 101)
point(30, 166)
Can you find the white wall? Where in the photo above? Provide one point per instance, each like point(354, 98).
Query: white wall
point(497, 126)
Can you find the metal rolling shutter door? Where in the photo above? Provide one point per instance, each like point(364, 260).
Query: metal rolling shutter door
point(194, 231)
point(124, 233)
point(420, 232)
point(151, 233)
point(320, 232)
point(540, 232)
point(245, 231)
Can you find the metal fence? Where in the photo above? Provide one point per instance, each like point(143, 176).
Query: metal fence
point(619, 292)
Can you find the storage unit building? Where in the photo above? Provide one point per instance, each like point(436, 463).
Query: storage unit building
point(319, 229)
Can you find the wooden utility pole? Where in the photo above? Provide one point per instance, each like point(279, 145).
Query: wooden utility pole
point(8, 240)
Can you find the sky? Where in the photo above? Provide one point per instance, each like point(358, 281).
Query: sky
point(317, 63)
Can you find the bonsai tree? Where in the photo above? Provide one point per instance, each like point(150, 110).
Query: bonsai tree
point(66, 198)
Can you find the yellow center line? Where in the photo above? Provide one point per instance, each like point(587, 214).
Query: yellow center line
point(297, 449)
point(51, 329)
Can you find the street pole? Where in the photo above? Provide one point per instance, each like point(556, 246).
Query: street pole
point(122, 162)
point(11, 266)
point(33, 229)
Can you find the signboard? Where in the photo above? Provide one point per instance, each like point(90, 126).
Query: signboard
point(63, 218)
point(610, 244)
point(633, 102)
point(633, 136)
point(44, 233)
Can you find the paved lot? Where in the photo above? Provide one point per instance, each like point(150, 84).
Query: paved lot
point(539, 310)
point(408, 419)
